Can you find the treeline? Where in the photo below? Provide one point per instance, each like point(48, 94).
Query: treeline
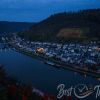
point(49, 28)
point(9, 27)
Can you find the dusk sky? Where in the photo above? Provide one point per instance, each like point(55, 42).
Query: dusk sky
point(37, 10)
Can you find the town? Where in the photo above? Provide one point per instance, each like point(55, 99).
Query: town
point(86, 56)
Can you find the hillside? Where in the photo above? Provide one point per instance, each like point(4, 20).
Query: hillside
point(9, 27)
point(72, 33)
point(86, 23)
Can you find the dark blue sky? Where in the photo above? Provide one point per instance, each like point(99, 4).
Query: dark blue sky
point(37, 10)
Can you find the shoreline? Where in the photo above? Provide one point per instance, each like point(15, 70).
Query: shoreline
point(59, 63)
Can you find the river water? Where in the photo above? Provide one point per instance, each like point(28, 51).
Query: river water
point(42, 76)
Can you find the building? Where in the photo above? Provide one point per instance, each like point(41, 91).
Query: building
point(40, 50)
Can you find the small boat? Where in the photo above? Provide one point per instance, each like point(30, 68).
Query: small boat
point(52, 64)
point(49, 63)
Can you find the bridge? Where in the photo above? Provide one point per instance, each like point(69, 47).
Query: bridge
point(4, 46)
point(4, 42)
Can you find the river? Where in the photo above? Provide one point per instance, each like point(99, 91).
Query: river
point(42, 76)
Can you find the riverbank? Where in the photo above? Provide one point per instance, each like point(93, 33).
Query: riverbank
point(56, 62)
point(12, 89)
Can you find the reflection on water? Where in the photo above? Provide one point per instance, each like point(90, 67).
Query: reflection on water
point(42, 76)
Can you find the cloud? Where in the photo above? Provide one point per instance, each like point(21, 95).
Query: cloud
point(39, 3)
point(40, 9)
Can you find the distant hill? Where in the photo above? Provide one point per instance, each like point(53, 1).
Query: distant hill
point(71, 25)
point(9, 27)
